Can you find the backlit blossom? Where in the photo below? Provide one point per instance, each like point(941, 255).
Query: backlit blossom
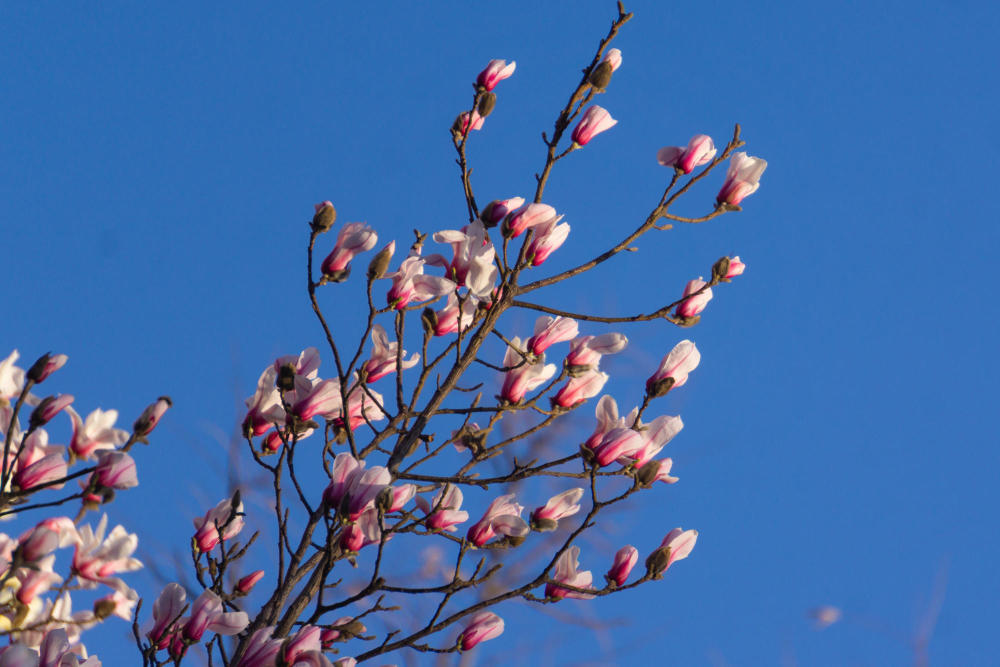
point(700, 150)
point(742, 179)
point(594, 121)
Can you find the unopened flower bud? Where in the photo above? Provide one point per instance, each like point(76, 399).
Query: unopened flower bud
point(720, 269)
point(659, 387)
point(601, 76)
point(325, 216)
point(486, 104)
point(49, 408)
point(514, 540)
point(384, 499)
point(429, 320)
point(103, 608)
point(286, 377)
point(544, 525)
point(150, 417)
point(648, 472)
point(380, 263)
point(246, 584)
point(46, 365)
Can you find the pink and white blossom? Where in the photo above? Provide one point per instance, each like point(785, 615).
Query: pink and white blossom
point(384, 356)
point(264, 408)
point(497, 519)
point(354, 238)
point(656, 435)
point(674, 369)
point(443, 511)
point(209, 615)
point(566, 572)
point(482, 627)
point(700, 150)
point(548, 238)
point(166, 613)
point(222, 522)
point(262, 650)
point(528, 216)
point(736, 268)
point(522, 376)
point(585, 352)
point(617, 443)
point(11, 378)
point(579, 389)
point(96, 558)
point(559, 506)
point(94, 434)
point(495, 72)
point(549, 331)
point(692, 306)
point(625, 560)
point(48, 408)
point(322, 398)
point(742, 179)
point(45, 366)
point(151, 416)
point(409, 284)
point(451, 318)
point(498, 209)
point(116, 470)
point(463, 125)
point(677, 545)
point(594, 121)
point(246, 583)
point(614, 58)
point(473, 263)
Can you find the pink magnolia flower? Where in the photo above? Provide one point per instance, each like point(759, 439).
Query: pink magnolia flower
point(354, 239)
point(151, 416)
point(36, 579)
point(41, 472)
point(693, 305)
point(495, 72)
point(656, 435)
point(208, 615)
point(528, 216)
point(736, 268)
point(663, 471)
point(498, 209)
point(95, 434)
point(483, 626)
point(523, 377)
point(487, 527)
point(443, 512)
point(363, 405)
point(49, 408)
point(305, 640)
point(11, 378)
point(401, 495)
point(306, 363)
point(37, 543)
point(579, 389)
point(361, 533)
point(674, 369)
point(345, 469)
point(559, 507)
point(166, 612)
point(222, 522)
point(549, 331)
point(548, 238)
point(45, 366)
point(262, 650)
point(616, 443)
point(625, 560)
point(700, 150)
point(384, 355)
point(365, 487)
point(594, 121)
point(96, 559)
point(409, 284)
point(606, 412)
point(585, 352)
point(473, 264)
point(264, 408)
point(322, 398)
point(614, 58)
point(677, 545)
point(246, 584)
point(566, 573)
point(450, 318)
point(462, 124)
point(116, 470)
point(742, 179)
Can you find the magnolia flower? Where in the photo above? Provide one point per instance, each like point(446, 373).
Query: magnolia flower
point(208, 614)
point(523, 377)
point(261, 650)
point(305, 640)
point(498, 209)
point(353, 239)
point(606, 412)
point(559, 507)
point(42, 471)
point(322, 398)
point(264, 408)
point(736, 268)
point(528, 216)
point(324, 217)
point(364, 531)
point(594, 121)
point(384, 356)
point(742, 179)
point(118, 603)
point(549, 331)
point(11, 378)
point(45, 366)
point(548, 238)
point(580, 388)
point(222, 522)
point(151, 416)
point(363, 405)
point(483, 626)
point(364, 488)
point(700, 150)
point(409, 284)
point(656, 435)
point(36, 579)
point(246, 584)
point(305, 363)
point(95, 434)
point(692, 306)
point(96, 559)
point(585, 352)
point(677, 545)
point(49, 407)
point(625, 560)
point(116, 470)
point(566, 573)
point(448, 320)
point(443, 512)
point(473, 264)
point(614, 58)
point(674, 369)
point(616, 443)
point(495, 72)
point(166, 612)
point(498, 519)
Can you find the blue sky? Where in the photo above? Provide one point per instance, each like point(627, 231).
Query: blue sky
point(160, 163)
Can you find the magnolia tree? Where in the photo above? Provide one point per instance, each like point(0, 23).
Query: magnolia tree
point(370, 462)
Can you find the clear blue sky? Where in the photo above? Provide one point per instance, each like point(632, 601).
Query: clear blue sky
point(159, 164)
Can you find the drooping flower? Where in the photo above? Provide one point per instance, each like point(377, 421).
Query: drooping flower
point(495, 72)
point(566, 573)
point(700, 150)
point(742, 179)
point(483, 626)
point(594, 121)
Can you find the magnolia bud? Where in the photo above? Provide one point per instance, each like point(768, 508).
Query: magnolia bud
point(657, 562)
point(150, 417)
point(601, 76)
point(380, 262)
point(286, 377)
point(544, 525)
point(103, 608)
point(325, 216)
point(486, 104)
point(429, 320)
point(46, 365)
point(246, 584)
point(384, 499)
point(648, 472)
point(49, 407)
point(720, 269)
